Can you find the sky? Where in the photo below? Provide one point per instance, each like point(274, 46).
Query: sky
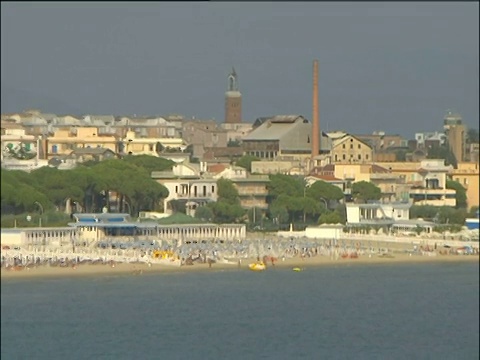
point(393, 67)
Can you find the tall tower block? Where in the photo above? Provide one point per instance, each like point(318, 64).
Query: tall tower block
point(233, 100)
point(315, 115)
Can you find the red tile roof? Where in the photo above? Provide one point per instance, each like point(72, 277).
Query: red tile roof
point(216, 168)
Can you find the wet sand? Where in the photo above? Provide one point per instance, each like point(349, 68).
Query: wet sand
point(308, 262)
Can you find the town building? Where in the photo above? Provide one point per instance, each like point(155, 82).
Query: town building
point(281, 137)
point(467, 174)
point(427, 180)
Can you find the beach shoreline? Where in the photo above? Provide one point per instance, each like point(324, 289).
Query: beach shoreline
point(45, 271)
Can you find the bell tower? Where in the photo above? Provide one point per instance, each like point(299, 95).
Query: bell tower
point(233, 100)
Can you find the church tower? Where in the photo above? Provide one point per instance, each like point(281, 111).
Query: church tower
point(233, 100)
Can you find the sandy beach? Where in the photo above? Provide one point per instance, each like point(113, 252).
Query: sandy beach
point(305, 263)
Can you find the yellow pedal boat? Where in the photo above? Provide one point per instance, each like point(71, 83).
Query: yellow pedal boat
point(258, 266)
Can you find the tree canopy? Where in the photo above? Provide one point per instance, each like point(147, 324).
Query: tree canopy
point(364, 191)
point(246, 162)
point(88, 185)
point(460, 193)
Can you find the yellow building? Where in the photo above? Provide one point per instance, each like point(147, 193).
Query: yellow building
point(467, 174)
point(427, 180)
point(347, 149)
point(392, 185)
point(150, 146)
point(63, 142)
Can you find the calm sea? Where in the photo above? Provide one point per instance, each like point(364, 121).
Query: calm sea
point(421, 311)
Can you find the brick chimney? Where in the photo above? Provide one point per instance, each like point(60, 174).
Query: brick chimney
point(315, 115)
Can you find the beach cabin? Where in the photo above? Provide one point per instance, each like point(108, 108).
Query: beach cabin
point(96, 227)
point(120, 228)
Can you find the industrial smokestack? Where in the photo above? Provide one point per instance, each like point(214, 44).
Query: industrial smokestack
point(315, 117)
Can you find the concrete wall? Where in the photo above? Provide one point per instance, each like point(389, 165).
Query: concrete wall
point(11, 238)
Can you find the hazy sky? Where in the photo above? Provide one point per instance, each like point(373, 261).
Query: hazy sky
point(395, 67)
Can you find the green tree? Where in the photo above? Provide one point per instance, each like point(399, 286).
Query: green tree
point(324, 190)
point(442, 152)
point(473, 136)
point(279, 214)
point(226, 212)
point(364, 191)
point(204, 213)
point(234, 143)
point(460, 193)
point(331, 217)
point(246, 162)
point(227, 208)
point(281, 184)
point(449, 215)
point(149, 163)
point(428, 212)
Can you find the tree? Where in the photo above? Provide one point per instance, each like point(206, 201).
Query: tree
point(460, 193)
point(279, 214)
point(204, 213)
point(226, 212)
point(442, 152)
point(473, 136)
point(246, 162)
point(364, 191)
point(234, 143)
point(227, 191)
point(149, 163)
point(331, 217)
point(281, 184)
point(323, 190)
point(227, 208)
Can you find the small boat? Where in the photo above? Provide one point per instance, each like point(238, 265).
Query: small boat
point(257, 266)
point(297, 269)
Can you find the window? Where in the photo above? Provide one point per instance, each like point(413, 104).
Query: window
point(351, 146)
point(343, 146)
point(359, 146)
point(359, 156)
point(336, 157)
point(344, 156)
point(366, 157)
point(213, 189)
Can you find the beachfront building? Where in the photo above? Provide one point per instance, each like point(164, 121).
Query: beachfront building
point(119, 227)
point(389, 217)
point(37, 236)
point(89, 229)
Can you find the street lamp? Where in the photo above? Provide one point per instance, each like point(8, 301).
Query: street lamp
point(129, 208)
point(41, 212)
point(325, 202)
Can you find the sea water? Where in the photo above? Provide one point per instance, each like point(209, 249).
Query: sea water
point(409, 311)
